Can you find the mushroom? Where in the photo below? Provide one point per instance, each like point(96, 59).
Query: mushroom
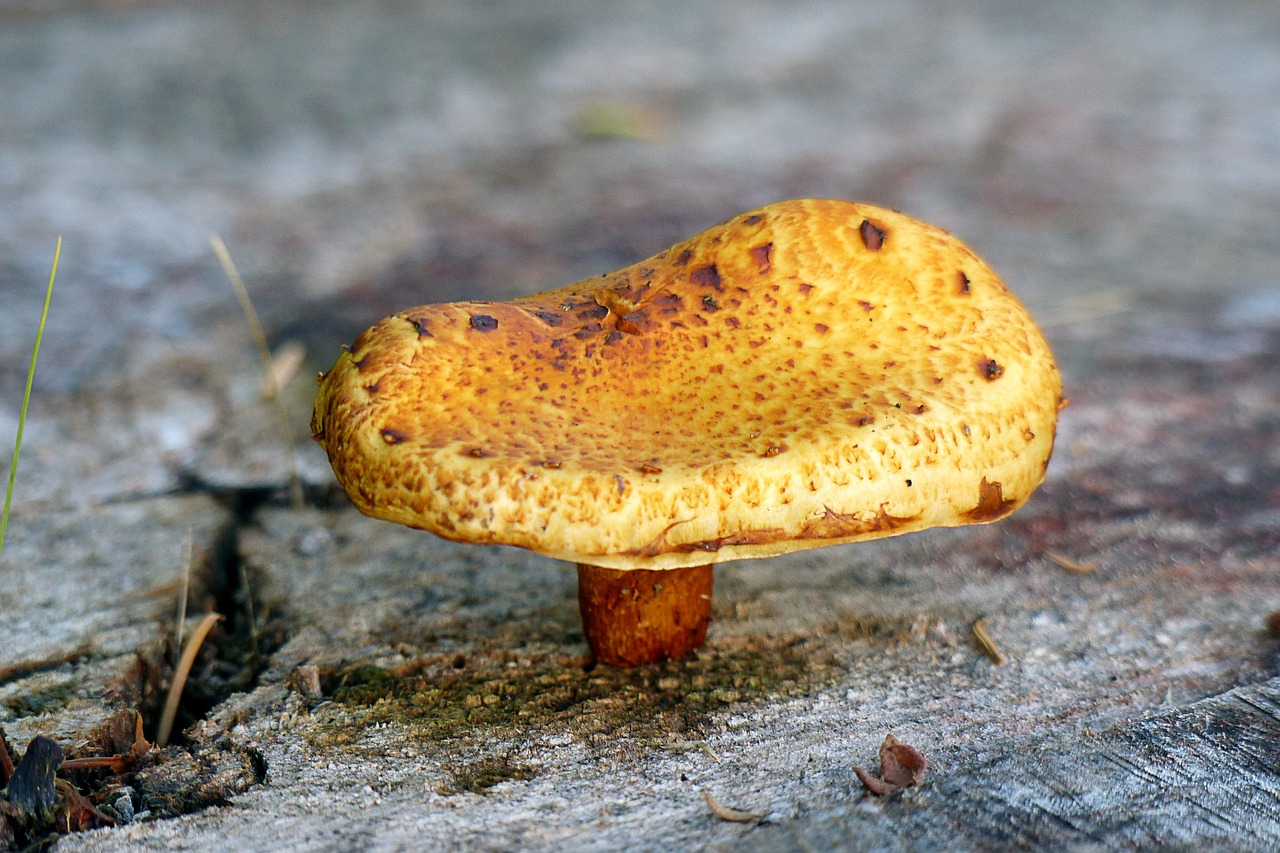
point(809, 373)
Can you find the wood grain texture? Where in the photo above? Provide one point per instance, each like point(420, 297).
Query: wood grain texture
point(1203, 776)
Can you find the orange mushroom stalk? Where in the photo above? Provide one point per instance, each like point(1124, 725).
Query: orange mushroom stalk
point(809, 373)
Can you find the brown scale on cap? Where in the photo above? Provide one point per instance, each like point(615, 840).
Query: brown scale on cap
point(805, 374)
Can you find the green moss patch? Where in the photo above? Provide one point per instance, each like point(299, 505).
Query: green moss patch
point(46, 701)
point(496, 693)
point(478, 777)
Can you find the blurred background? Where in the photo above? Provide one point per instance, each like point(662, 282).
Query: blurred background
point(1105, 157)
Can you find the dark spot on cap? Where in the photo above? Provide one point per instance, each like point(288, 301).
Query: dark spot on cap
point(760, 254)
point(865, 305)
point(991, 503)
point(613, 337)
point(709, 303)
point(650, 468)
point(990, 369)
point(393, 436)
point(821, 328)
point(420, 324)
point(872, 235)
point(667, 303)
point(707, 276)
point(483, 322)
point(865, 420)
point(683, 257)
point(596, 312)
point(805, 288)
point(551, 463)
point(964, 282)
point(753, 219)
point(588, 330)
point(549, 317)
point(478, 453)
point(622, 484)
point(773, 450)
point(630, 323)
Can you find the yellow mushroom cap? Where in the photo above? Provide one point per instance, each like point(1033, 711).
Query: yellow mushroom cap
point(808, 373)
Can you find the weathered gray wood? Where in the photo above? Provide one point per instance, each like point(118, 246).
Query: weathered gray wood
point(83, 594)
point(1201, 776)
point(1115, 162)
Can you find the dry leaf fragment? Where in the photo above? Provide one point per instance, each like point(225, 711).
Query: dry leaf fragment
point(76, 812)
point(901, 766)
point(725, 813)
point(876, 786)
point(900, 763)
point(31, 787)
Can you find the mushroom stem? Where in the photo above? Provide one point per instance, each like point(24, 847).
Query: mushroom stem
point(638, 616)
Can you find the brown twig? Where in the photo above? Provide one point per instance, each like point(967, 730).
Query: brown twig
point(268, 373)
point(984, 641)
point(117, 763)
point(731, 815)
point(285, 362)
point(180, 675)
point(184, 594)
point(1069, 565)
point(248, 608)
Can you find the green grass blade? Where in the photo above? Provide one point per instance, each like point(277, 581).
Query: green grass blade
point(26, 394)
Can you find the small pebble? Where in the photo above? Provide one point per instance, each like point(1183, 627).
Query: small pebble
point(123, 805)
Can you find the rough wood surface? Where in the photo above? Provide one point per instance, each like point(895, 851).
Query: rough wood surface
point(1201, 776)
point(1117, 172)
